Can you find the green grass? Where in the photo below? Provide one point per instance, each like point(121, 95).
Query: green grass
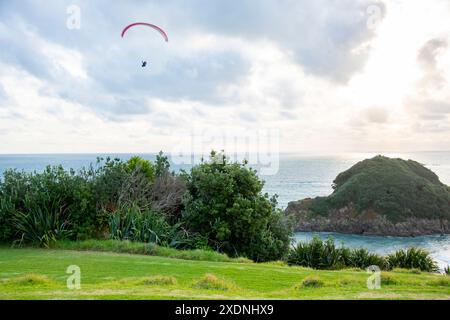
point(33, 273)
point(144, 249)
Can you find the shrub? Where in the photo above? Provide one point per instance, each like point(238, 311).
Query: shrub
point(225, 203)
point(31, 279)
point(36, 205)
point(132, 223)
point(107, 177)
point(212, 282)
point(168, 190)
point(320, 254)
point(361, 258)
point(447, 270)
point(315, 254)
point(137, 164)
point(412, 258)
point(387, 279)
point(312, 282)
point(42, 225)
point(159, 280)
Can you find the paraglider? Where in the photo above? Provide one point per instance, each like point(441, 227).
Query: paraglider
point(161, 31)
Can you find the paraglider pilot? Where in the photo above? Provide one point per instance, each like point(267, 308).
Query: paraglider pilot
point(144, 64)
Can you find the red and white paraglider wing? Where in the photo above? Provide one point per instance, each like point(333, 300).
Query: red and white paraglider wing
point(161, 31)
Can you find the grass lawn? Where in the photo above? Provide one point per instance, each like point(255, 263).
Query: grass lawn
point(41, 274)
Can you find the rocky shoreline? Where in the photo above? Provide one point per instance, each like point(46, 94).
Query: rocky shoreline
point(368, 222)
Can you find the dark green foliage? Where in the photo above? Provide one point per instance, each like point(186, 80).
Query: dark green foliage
point(138, 201)
point(107, 177)
point(132, 223)
point(318, 254)
point(225, 204)
point(361, 258)
point(392, 187)
point(162, 165)
point(447, 270)
point(42, 225)
point(37, 205)
point(413, 258)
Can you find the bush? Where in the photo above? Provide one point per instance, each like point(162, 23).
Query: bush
point(361, 258)
point(35, 206)
point(225, 204)
point(212, 282)
point(42, 225)
point(413, 258)
point(312, 282)
point(31, 279)
point(108, 177)
point(387, 279)
point(159, 280)
point(137, 164)
point(318, 254)
point(56, 204)
point(168, 190)
point(132, 223)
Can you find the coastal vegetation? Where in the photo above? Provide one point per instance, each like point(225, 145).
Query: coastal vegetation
point(318, 254)
point(379, 196)
point(218, 206)
point(216, 212)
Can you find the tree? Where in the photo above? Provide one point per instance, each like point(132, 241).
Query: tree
point(225, 204)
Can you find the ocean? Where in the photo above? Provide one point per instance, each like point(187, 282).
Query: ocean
point(298, 177)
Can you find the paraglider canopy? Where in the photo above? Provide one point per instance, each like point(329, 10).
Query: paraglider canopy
point(161, 31)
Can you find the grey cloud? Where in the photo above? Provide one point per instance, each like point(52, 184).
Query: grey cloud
point(113, 67)
point(428, 53)
point(428, 110)
point(428, 60)
point(376, 115)
point(425, 107)
point(435, 107)
point(2, 94)
point(321, 35)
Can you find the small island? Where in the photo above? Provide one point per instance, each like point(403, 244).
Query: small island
point(379, 196)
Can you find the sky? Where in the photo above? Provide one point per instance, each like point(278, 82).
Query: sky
point(310, 76)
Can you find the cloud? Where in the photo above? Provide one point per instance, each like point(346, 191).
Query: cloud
point(376, 115)
point(427, 56)
point(323, 36)
point(430, 104)
point(313, 69)
point(429, 109)
point(2, 93)
point(428, 59)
